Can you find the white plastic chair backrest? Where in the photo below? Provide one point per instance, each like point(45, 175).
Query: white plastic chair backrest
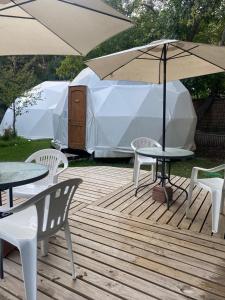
point(143, 142)
point(52, 206)
point(52, 159)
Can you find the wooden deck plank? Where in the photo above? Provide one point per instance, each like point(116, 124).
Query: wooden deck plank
point(129, 244)
point(188, 248)
point(128, 247)
point(159, 228)
point(157, 208)
point(5, 295)
point(113, 225)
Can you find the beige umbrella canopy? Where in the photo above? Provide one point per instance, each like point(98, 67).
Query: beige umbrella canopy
point(145, 63)
point(57, 27)
point(159, 62)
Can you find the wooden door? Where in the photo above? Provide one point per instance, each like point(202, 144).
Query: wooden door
point(77, 117)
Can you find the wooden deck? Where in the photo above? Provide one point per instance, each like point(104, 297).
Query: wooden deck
point(127, 247)
point(144, 207)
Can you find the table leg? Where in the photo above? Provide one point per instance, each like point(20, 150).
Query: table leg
point(173, 184)
point(154, 181)
point(179, 187)
point(1, 259)
point(10, 197)
point(164, 177)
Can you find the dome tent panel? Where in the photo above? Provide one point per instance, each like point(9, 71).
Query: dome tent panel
point(119, 111)
point(36, 122)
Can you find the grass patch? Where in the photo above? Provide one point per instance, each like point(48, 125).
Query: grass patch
point(10, 142)
point(184, 168)
point(181, 168)
point(18, 149)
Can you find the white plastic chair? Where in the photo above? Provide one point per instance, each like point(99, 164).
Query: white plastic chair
point(37, 219)
point(48, 157)
point(139, 160)
point(216, 186)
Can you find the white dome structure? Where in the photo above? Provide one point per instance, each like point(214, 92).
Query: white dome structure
point(37, 120)
point(119, 111)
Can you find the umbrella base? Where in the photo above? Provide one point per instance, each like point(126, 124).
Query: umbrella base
point(162, 194)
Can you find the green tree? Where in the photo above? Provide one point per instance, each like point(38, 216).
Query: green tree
point(70, 67)
point(16, 78)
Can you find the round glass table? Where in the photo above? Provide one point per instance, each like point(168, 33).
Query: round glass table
point(169, 153)
point(13, 174)
point(165, 158)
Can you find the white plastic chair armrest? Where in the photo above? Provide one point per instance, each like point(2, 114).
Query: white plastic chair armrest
point(195, 170)
point(216, 169)
point(60, 170)
point(31, 157)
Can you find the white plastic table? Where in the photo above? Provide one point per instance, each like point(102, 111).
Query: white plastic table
point(165, 157)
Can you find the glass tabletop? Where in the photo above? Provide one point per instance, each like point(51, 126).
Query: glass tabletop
point(171, 153)
point(18, 173)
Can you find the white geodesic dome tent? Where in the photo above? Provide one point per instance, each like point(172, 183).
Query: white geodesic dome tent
point(119, 111)
point(36, 122)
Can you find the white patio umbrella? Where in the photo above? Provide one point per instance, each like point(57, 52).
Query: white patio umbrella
point(56, 27)
point(160, 62)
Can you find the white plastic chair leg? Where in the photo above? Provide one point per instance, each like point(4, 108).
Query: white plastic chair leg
point(153, 171)
point(137, 173)
point(28, 253)
point(44, 247)
point(135, 168)
point(216, 207)
point(70, 250)
point(190, 191)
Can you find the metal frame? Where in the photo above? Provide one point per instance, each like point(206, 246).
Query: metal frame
point(163, 178)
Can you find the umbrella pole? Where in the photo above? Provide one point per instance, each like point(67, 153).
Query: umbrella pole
point(164, 99)
point(163, 174)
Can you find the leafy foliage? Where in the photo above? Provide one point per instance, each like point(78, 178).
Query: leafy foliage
point(70, 67)
point(16, 78)
point(191, 20)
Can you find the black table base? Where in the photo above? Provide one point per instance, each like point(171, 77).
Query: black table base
point(163, 177)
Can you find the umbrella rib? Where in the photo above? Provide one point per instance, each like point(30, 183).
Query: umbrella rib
point(126, 63)
point(177, 57)
point(97, 11)
point(183, 51)
point(150, 53)
point(200, 57)
point(15, 5)
point(147, 58)
point(17, 17)
point(50, 30)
